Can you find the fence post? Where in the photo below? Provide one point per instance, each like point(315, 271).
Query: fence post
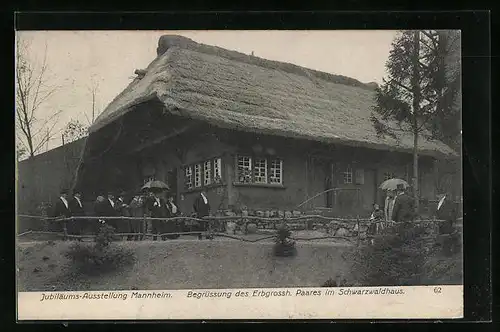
point(144, 228)
point(359, 230)
point(65, 228)
point(244, 224)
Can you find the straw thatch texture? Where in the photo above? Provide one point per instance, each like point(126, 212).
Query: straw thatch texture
point(230, 90)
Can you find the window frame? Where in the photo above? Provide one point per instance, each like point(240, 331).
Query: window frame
point(269, 160)
point(249, 170)
point(259, 169)
point(217, 161)
point(348, 172)
point(148, 178)
point(200, 175)
point(280, 171)
point(209, 163)
point(191, 184)
point(391, 175)
point(214, 163)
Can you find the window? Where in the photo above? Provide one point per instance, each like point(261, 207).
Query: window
point(244, 169)
point(197, 175)
point(217, 170)
point(203, 174)
point(348, 174)
point(207, 175)
point(149, 178)
point(388, 175)
point(276, 171)
point(188, 177)
point(260, 170)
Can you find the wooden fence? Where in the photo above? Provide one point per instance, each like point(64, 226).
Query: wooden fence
point(355, 230)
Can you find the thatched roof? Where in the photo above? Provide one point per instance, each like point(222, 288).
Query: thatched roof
point(237, 91)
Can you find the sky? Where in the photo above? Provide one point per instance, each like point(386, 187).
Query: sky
point(75, 59)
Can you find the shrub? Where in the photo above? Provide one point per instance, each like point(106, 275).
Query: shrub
point(452, 244)
point(101, 256)
point(395, 258)
point(105, 236)
point(90, 259)
point(284, 245)
point(337, 282)
point(330, 283)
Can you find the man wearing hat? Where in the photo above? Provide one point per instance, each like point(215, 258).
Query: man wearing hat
point(136, 208)
point(201, 207)
point(106, 207)
point(156, 207)
point(62, 210)
point(122, 209)
point(446, 211)
point(404, 209)
point(76, 207)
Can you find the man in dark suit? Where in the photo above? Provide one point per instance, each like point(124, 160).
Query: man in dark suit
point(122, 209)
point(404, 209)
point(76, 206)
point(172, 211)
point(201, 207)
point(61, 210)
point(447, 212)
point(106, 207)
point(156, 207)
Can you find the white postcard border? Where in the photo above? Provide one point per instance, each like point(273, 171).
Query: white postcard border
point(409, 302)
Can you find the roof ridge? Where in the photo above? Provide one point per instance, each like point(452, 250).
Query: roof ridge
point(167, 41)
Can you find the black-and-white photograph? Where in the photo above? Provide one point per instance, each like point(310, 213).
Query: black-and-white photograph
point(184, 160)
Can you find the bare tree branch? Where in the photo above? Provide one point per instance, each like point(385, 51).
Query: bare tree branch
point(32, 91)
point(46, 138)
point(93, 88)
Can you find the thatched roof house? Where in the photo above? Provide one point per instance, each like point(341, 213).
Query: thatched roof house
point(252, 132)
point(237, 91)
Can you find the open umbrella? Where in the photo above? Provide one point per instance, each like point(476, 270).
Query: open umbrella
point(392, 184)
point(155, 185)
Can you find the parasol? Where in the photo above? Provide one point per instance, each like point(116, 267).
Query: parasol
point(392, 184)
point(155, 185)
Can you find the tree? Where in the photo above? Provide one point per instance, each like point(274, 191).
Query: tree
point(32, 90)
point(20, 151)
point(93, 88)
point(446, 124)
point(74, 130)
point(417, 92)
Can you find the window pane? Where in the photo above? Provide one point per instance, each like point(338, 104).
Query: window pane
point(388, 175)
point(276, 173)
point(244, 169)
point(207, 176)
point(260, 170)
point(188, 177)
point(348, 174)
point(217, 170)
point(148, 178)
point(197, 175)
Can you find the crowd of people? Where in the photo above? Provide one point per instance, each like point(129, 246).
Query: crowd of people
point(399, 208)
point(110, 207)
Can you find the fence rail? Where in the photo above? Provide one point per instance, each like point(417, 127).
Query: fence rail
point(221, 218)
point(218, 224)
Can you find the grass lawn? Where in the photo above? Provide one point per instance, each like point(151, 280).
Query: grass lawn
point(183, 264)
